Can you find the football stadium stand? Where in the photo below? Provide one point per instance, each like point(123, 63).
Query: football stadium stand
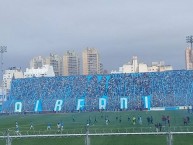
point(93, 92)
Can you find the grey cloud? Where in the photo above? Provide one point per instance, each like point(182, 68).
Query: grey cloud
point(152, 30)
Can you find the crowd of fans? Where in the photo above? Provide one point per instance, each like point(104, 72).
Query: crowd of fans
point(170, 88)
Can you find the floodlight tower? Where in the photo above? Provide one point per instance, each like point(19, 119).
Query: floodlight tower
point(3, 49)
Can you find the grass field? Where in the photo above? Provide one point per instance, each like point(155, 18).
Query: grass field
point(40, 122)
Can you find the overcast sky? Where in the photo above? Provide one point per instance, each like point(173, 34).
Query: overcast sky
point(153, 30)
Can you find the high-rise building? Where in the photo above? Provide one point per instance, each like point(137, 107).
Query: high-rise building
point(55, 61)
point(189, 53)
point(71, 64)
point(189, 58)
point(91, 61)
point(37, 62)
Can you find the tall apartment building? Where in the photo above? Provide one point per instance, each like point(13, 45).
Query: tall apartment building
point(37, 62)
point(91, 61)
point(71, 64)
point(189, 53)
point(189, 58)
point(55, 61)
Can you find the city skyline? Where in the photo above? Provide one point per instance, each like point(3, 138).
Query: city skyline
point(153, 31)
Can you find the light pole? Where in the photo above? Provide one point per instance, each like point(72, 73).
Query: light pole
point(3, 49)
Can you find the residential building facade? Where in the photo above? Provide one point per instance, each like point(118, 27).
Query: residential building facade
point(189, 58)
point(11, 73)
point(71, 63)
point(135, 67)
point(44, 71)
point(55, 61)
point(37, 62)
point(91, 61)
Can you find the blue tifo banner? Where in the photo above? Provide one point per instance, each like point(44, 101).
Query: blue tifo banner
point(59, 104)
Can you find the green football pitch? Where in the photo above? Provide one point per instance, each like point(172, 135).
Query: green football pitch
point(76, 123)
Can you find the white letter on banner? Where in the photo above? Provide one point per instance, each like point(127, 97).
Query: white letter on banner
point(58, 105)
point(37, 107)
point(147, 102)
point(102, 103)
point(18, 107)
point(80, 104)
point(123, 103)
